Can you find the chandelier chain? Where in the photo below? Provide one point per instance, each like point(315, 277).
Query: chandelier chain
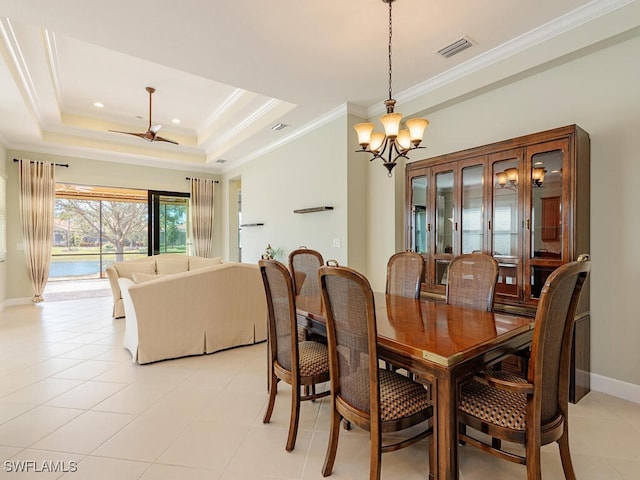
point(390, 35)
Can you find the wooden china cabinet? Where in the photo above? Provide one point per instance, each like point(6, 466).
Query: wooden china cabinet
point(526, 202)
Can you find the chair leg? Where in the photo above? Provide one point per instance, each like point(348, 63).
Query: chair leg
point(332, 447)
point(462, 430)
point(533, 462)
point(295, 417)
point(273, 390)
point(375, 460)
point(565, 455)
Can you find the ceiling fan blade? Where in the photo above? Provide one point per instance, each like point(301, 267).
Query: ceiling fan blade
point(141, 135)
point(162, 139)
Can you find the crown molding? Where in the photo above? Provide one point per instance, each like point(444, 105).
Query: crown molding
point(555, 27)
point(25, 81)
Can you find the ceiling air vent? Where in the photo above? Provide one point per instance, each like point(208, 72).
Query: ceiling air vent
point(455, 47)
point(279, 126)
point(221, 160)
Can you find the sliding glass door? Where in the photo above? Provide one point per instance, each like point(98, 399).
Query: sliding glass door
point(168, 222)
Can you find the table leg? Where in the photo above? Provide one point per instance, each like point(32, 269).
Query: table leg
point(446, 428)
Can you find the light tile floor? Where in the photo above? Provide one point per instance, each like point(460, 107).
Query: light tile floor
point(70, 398)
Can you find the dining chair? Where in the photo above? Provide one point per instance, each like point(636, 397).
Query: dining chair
point(372, 398)
point(532, 411)
point(404, 274)
point(405, 271)
point(300, 364)
point(471, 281)
point(303, 265)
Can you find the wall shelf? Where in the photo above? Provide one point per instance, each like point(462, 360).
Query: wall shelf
point(312, 209)
point(252, 225)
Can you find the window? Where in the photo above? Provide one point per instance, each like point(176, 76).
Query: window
point(95, 227)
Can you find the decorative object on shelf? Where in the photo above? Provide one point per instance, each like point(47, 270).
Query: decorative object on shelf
point(252, 225)
point(394, 143)
point(312, 209)
point(508, 179)
point(272, 253)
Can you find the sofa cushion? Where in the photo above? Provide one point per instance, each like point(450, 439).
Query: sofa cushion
point(202, 262)
point(126, 269)
point(139, 277)
point(172, 264)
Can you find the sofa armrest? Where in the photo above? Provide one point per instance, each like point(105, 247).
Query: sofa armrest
point(112, 274)
point(130, 341)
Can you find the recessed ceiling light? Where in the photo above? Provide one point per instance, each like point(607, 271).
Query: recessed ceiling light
point(176, 120)
point(279, 126)
point(98, 104)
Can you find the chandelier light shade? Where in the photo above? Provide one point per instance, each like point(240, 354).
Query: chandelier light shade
point(395, 142)
point(508, 178)
point(537, 176)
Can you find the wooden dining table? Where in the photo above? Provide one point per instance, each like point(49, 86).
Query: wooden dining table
point(441, 344)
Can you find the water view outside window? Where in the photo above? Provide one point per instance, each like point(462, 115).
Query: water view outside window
point(95, 227)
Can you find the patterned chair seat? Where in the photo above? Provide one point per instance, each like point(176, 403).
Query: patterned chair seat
point(314, 358)
point(492, 405)
point(399, 396)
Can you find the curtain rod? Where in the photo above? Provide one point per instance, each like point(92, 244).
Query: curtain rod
point(215, 181)
point(56, 164)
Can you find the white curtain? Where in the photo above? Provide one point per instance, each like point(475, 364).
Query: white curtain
point(37, 199)
point(202, 195)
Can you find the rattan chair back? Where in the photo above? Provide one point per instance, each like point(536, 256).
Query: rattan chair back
point(404, 274)
point(303, 265)
point(471, 281)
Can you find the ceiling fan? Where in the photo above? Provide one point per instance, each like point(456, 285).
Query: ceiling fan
point(151, 135)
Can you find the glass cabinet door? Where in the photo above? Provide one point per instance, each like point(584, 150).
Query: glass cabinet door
point(544, 221)
point(445, 224)
point(419, 226)
point(472, 220)
point(505, 224)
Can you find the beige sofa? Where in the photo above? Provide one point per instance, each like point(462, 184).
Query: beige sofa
point(194, 312)
point(165, 264)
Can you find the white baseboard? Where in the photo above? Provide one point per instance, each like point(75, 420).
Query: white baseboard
point(616, 388)
point(11, 302)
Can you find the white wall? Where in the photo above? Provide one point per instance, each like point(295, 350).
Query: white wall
point(309, 172)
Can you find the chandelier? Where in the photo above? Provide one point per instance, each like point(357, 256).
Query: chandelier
point(395, 142)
